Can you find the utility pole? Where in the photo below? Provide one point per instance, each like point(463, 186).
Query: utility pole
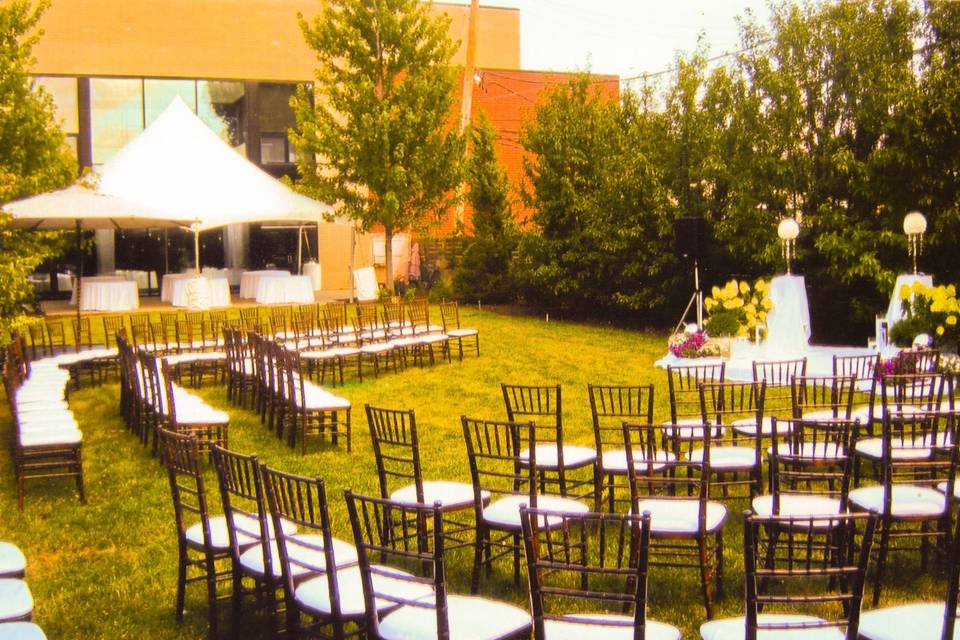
point(469, 70)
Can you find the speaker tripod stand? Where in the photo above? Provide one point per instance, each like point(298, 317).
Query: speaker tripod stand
point(696, 298)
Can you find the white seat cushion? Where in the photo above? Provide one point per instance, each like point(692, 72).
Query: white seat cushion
point(314, 594)
point(343, 552)
point(811, 450)
point(727, 458)
point(316, 398)
point(505, 512)
point(734, 629)
point(462, 333)
point(468, 617)
point(323, 354)
point(451, 495)
point(918, 621)
point(573, 456)
point(432, 338)
point(21, 631)
point(824, 414)
point(690, 428)
point(248, 531)
point(616, 461)
point(942, 487)
point(15, 599)
point(571, 629)
point(63, 420)
point(908, 501)
point(50, 437)
point(376, 347)
point(748, 426)
point(12, 561)
point(797, 504)
point(680, 516)
point(873, 448)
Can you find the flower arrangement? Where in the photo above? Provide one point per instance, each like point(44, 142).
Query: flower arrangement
point(737, 309)
point(693, 344)
point(903, 363)
point(931, 310)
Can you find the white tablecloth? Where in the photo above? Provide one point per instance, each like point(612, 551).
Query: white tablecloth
point(107, 293)
point(895, 310)
point(284, 289)
point(213, 292)
point(250, 279)
point(788, 323)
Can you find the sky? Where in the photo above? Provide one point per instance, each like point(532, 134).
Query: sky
point(623, 37)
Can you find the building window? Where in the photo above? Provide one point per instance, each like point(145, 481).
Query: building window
point(276, 118)
point(116, 115)
point(220, 104)
point(66, 111)
point(158, 94)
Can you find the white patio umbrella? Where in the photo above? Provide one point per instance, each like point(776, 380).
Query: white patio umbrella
point(79, 207)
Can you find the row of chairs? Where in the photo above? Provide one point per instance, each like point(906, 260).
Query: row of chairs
point(16, 600)
point(46, 441)
point(287, 401)
point(587, 571)
point(151, 400)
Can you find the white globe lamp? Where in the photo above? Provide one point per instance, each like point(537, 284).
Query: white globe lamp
point(914, 225)
point(788, 230)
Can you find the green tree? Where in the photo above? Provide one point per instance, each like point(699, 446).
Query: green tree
point(375, 134)
point(34, 156)
point(483, 272)
point(601, 236)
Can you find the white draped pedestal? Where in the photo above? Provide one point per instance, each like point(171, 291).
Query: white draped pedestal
point(788, 323)
point(895, 310)
point(195, 292)
point(312, 270)
point(107, 293)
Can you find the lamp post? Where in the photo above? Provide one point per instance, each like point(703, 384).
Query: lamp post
point(914, 225)
point(788, 230)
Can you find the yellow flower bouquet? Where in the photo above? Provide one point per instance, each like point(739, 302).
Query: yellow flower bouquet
point(930, 310)
point(736, 309)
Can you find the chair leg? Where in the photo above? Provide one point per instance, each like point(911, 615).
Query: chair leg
point(881, 559)
point(706, 580)
point(516, 560)
point(477, 560)
point(719, 553)
point(181, 580)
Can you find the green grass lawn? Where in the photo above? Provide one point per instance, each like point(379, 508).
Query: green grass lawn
point(108, 569)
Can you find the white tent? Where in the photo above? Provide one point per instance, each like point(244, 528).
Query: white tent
point(179, 165)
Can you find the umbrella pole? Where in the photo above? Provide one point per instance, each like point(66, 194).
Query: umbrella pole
point(79, 271)
point(300, 249)
point(196, 248)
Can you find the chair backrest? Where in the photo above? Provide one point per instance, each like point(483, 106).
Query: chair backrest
point(724, 403)
point(111, 326)
point(394, 316)
point(335, 313)
point(864, 367)
point(294, 387)
point(811, 564)
point(279, 319)
point(403, 536)
point(368, 321)
point(683, 385)
point(779, 375)
point(301, 501)
point(189, 335)
point(540, 404)
point(497, 467)
point(450, 315)
point(168, 323)
point(593, 564)
point(396, 448)
point(823, 393)
point(932, 432)
point(910, 392)
point(923, 360)
point(56, 334)
point(812, 458)
point(181, 456)
point(419, 311)
point(82, 332)
point(612, 405)
point(244, 506)
point(153, 389)
point(655, 468)
point(250, 317)
point(217, 323)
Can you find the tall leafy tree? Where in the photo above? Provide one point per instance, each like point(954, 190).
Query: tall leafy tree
point(33, 154)
point(601, 232)
point(375, 135)
point(483, 272)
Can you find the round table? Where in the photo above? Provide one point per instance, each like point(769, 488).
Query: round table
point(284, 289)
point(107, 293)
point(250, 279)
